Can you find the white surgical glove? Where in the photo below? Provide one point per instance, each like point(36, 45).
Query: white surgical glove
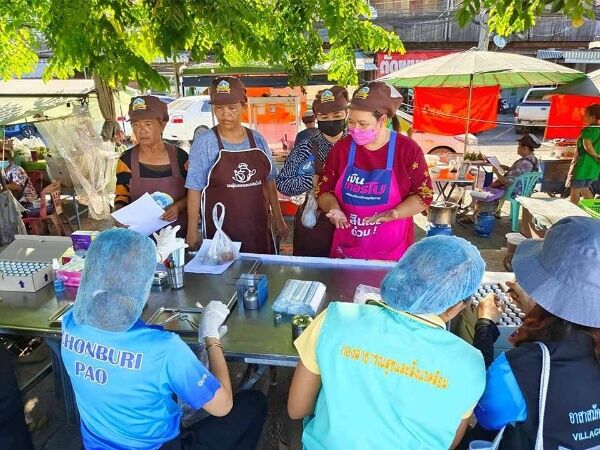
point(167, 243)
point(213, 316)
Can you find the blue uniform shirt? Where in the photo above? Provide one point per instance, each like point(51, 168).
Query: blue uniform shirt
point(124, 384)
point(205, 151)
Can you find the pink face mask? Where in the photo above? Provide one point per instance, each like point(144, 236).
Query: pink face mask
point(362, 137)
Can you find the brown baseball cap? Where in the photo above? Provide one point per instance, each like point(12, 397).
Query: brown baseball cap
point(227, 91)
point(147, 107)
point(331, 100)
point(376, 96)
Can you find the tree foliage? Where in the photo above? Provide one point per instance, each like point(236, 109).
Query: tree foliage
point(509, 16)
point(117, 39)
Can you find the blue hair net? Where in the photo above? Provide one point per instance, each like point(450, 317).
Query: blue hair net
point(116, 280)
point(433, 275)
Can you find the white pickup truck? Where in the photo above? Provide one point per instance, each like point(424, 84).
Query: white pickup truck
point(533, 110)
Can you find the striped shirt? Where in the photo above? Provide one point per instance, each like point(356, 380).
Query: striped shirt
point(291, 180)
point(122, 196)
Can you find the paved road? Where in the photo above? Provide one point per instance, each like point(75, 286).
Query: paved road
point(504, 133)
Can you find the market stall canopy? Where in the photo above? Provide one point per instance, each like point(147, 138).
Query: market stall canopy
point(257, 74)
point(20, 100)
point(590, 85)
point(479, 68)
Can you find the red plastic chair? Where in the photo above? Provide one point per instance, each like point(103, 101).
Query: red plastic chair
point(37, 178)
point(61, 225)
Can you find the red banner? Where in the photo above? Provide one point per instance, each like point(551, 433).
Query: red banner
point(390, 62)
point(445, 110)
point(566, 115)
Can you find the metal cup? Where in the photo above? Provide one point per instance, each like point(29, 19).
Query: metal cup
point(175, 277)
point(299, 324)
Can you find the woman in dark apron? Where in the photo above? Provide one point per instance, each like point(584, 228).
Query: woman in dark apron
point(304, 165)
point(152, 165)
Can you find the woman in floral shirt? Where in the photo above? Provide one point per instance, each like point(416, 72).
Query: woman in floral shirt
point(374, 181)
point(527, 162)
point(17, 181)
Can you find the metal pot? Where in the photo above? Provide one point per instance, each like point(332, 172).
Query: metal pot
point(442, 213)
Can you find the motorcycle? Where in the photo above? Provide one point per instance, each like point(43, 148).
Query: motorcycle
point(503, 106)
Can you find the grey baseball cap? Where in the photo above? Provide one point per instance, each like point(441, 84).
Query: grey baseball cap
point(562, 272)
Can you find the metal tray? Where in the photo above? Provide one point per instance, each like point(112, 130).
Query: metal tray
point(56, 318)
point(183, 321)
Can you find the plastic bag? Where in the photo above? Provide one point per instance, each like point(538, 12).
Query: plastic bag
point(364, 293)
point(300, 297)
point(221, 248)
point(310, 214)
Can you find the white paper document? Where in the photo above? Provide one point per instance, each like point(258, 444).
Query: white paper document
point(197, 265)
point(495, 162)
point(142, 215)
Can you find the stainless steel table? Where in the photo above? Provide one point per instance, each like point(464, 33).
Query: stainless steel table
point(253, 336)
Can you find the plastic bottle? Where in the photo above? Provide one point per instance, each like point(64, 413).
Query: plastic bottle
point(59, 284)
point(308, 166)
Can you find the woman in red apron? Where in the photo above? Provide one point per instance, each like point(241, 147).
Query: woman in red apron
point(152, 165)
point(374, 181)
point(304, 165)
point(233, 165)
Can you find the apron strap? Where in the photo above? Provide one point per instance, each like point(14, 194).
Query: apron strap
point(390, 154)
point(135, 162)
point(352, 153)
point(251, 139)
point(219, 141)
point(172, 152)
point(391, 151)
point(249, 133)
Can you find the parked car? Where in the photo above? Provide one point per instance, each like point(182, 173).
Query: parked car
point(436, 144)
point(533, 110)
point(25, 130)
point(189, 116)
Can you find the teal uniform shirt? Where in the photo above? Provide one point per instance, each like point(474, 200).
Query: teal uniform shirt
point(390, 380)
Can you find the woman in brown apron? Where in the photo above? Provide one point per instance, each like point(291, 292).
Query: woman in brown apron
point(233, 165)
point(152, 165)
point(304, 165)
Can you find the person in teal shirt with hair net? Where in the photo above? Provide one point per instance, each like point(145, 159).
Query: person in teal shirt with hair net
point(388, 374)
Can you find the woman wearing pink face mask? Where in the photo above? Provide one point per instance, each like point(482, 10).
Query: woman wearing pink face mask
point(374, 181)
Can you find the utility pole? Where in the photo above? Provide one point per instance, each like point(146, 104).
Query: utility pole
point(484, 35)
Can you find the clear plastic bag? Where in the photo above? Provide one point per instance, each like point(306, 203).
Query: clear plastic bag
point(364, 293)
point(221, 248)
point(300, 297)
point(310, 214)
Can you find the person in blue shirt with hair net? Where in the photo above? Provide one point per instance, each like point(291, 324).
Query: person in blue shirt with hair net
point(388, 375)
point(126, 374)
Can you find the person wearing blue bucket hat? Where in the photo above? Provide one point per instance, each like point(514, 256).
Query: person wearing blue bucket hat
point(388, 374)
point(558, 286)
point(126, 374)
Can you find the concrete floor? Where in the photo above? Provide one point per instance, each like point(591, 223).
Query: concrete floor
point(47, 412)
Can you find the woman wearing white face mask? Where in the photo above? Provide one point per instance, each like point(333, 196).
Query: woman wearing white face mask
point(374, 181)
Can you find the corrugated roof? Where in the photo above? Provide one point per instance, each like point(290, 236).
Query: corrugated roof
point(52, 88)
point(582, 56)
point(550, 54)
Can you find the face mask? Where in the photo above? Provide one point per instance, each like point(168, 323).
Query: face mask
point(4, 165)
point(332, 128)
point(362, 137)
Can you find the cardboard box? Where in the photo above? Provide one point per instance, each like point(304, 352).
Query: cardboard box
point(26, 263)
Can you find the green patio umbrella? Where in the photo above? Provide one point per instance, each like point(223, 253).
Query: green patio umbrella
point(475, 68)
point(590, 85)
point(479, 68)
